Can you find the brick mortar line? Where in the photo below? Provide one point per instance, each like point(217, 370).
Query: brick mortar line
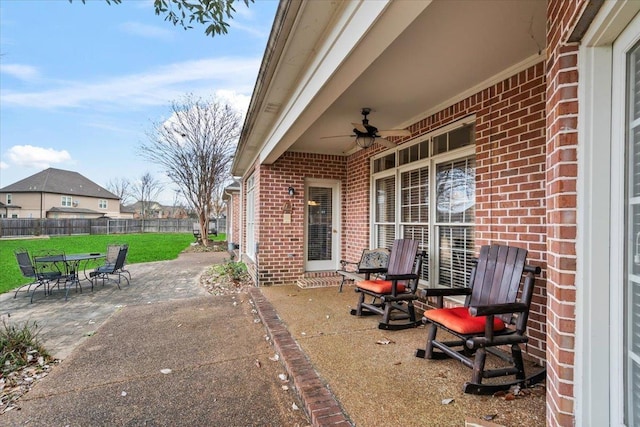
point(307, 383)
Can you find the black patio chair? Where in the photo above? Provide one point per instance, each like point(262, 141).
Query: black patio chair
point(41, 275)
point(113, 249)
point(116, 269)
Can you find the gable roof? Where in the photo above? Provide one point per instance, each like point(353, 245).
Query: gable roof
point(59, 181)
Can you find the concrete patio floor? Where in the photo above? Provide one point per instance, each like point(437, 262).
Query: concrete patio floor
point(384, 384)
point(373, 384)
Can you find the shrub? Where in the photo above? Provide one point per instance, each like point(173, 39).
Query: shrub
point(19, 347)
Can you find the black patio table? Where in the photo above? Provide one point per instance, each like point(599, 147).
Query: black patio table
point(72, 263)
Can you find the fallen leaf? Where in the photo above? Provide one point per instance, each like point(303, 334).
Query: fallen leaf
point(500, 393)
point(123, 394)
point(275, 358)
point(489, 417)
point(509, 396)
point(385, 341)
point(295, 407)
point(165, 371)
point(283, 377)
point(258, 364)
point(285, 387)
point(397, 363)
point(447, 401)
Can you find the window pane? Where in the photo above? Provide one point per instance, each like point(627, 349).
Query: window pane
point(461, 137)
point(415, 195)
point(456, 246)
point(632, 287)
point(319, 236)
point(385, 235)
point(384, 163)
point(421, 234)
point(385, 199)
point(456, 188)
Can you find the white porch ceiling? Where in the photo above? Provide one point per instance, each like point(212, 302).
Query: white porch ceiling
point(430, 53)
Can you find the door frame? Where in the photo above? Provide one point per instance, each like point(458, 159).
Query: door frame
point(599, 399)
point(336, 241)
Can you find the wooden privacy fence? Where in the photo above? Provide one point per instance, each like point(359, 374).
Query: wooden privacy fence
point(15, 227)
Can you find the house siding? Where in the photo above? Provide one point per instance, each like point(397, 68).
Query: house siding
point(562, 171)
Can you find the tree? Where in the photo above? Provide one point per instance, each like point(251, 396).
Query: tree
point(212, 13)
point(145, 190)
point(194, 147)
point(121, 187)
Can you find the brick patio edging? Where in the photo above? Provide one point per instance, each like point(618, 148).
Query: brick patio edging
point(319, 403)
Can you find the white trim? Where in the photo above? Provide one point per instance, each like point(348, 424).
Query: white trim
point(596, 401)
point(336, 224)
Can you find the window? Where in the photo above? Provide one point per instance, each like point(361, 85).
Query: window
point(14, 215)
point(9, 199)
point(251, 239)
point(66, 202)
point(430, 199)
point(102, 204)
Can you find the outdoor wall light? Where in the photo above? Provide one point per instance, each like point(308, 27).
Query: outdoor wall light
point(291, 191)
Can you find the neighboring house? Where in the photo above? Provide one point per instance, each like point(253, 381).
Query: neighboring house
point(154, 209)
point(57, 193)
point(524, 130)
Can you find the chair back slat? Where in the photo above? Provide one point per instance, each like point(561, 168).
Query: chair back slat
point(402, 257)
point(25, 263)
point(498, 275)
point(122, 255)
point(112, 253)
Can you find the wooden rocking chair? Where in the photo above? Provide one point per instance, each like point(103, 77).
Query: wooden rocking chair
point(397, 291)
point(482, 324)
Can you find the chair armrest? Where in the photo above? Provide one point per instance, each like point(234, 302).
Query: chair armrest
point(444, 292)
point(486, 310)
point(344, 264)
point(393, 277)
point(371, 270)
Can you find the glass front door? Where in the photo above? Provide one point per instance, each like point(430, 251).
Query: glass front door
point(322, 223)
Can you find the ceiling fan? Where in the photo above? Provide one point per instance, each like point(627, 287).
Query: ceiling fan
point(366, 135)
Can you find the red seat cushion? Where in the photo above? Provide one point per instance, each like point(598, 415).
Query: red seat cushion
point(380, 286)
point(459, 320)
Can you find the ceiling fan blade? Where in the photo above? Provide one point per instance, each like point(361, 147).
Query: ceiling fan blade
point(394, 132)
point(360, 127)
point(385, 143)
point(338, 136)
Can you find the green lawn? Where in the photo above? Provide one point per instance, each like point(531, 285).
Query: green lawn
point(142, 248)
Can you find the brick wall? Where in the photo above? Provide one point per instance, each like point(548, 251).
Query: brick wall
point(562, 140)
point(510, 185)
point(281, 244)
point(510, 173)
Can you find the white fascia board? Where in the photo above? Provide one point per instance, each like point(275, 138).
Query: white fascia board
point(341, 59)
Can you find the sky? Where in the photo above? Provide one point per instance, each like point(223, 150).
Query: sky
point(81, 85)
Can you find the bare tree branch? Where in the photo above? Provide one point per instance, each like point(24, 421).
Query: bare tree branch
point(194, 147)
point(121, 187)
point(146, 189)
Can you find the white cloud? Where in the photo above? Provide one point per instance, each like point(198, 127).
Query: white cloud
point(37, 157)
point(147, 31)
point(254, 31)
point(155, 87)
point(4, 165)
point(20, 71)
point(238, 100)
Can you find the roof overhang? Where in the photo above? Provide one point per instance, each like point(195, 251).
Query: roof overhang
point(326, 60)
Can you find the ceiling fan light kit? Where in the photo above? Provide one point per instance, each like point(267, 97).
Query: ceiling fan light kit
point(366, 135)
